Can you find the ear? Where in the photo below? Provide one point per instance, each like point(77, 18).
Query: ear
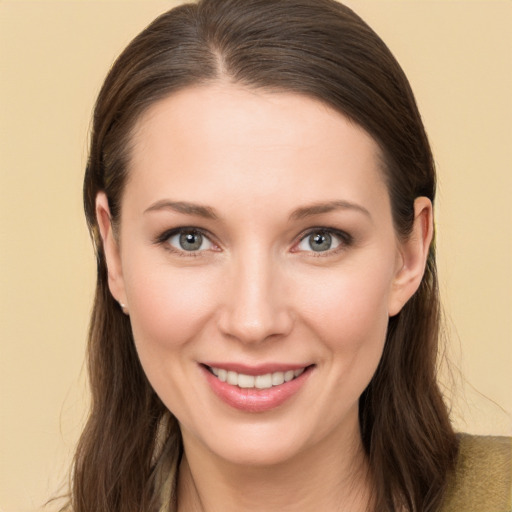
point(111, 250)
point(413, 254)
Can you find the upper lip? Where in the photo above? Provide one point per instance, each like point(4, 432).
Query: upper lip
point(259, 369)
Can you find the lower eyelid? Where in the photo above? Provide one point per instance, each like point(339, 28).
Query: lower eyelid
point(165, 238)
point(343, 240)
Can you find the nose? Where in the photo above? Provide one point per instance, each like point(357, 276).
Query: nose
point(256, 306)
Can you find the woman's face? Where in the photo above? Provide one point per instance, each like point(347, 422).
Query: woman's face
point(256, 246)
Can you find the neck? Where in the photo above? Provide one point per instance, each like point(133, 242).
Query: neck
point(328, 477)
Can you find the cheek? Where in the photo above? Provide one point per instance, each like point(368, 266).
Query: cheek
point(347, 312)
point(349, 307)
point(167, 307)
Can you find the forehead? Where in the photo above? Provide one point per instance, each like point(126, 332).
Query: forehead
point(226, 139)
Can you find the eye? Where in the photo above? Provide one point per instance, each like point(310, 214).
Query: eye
point(322, 240)
point(189, 240)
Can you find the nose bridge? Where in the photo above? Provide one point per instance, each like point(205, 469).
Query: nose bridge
point(256, 307)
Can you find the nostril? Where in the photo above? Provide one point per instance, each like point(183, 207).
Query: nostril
point(253, 323)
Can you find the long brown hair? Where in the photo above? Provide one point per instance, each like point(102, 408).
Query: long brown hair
point(323, 50)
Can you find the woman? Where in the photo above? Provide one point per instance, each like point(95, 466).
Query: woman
point(264, 336)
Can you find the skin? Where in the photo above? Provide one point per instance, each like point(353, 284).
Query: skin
point(255, 292)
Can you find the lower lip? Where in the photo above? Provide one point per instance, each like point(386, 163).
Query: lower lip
point(255, 400)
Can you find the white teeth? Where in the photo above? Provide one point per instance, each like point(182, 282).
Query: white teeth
point(245, 381)
point(288, 376)
point(232, 378)
point(259, 381)
point(263, 381)
point(277, 378)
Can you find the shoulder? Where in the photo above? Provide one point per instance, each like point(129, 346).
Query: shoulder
point(483, 476)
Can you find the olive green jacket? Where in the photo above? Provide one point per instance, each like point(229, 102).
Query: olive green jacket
point(483, 479)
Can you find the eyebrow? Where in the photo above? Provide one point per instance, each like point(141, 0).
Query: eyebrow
point(183, 207)
point(300, 213)
point(319, 208)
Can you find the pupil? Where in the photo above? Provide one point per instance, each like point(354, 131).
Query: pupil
point(320, 242)
point(191, 241)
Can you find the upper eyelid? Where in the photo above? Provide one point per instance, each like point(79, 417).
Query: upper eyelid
point(163, 239)
point(174, 231)
point(346, 237)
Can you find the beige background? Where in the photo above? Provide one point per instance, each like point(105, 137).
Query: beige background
point(53, 57)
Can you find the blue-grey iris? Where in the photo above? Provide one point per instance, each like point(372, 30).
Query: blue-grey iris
point(191, 241)
point(320, 241)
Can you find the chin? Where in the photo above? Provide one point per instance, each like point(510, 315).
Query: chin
point(258, 454)
point(253, 445)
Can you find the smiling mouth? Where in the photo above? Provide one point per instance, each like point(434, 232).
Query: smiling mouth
point(265, 381)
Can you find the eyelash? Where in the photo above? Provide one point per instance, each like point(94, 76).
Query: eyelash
point(163, 240)
point(345, 240)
